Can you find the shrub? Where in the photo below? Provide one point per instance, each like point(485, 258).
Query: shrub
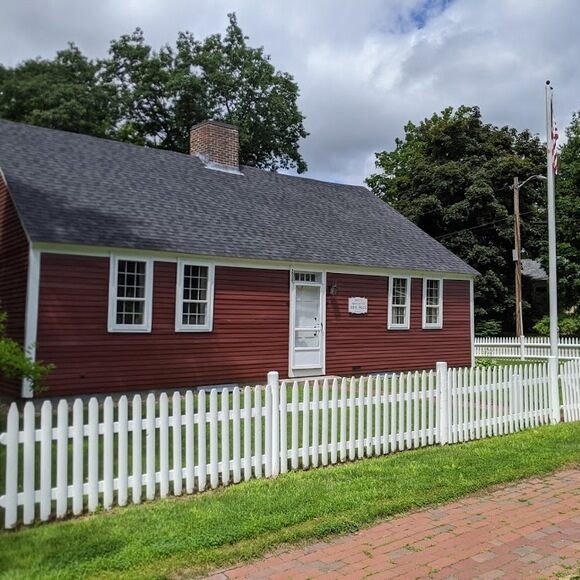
point(16, 363)
point(569, 325)
point(488, 328)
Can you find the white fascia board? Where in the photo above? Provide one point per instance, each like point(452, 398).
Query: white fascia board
point(161, 256)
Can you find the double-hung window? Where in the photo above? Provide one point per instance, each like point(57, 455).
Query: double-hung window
point(130, 294)
point(432, 303)
point(194, 304)
point(399, 303)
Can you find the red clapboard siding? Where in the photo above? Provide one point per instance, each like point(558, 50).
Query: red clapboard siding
point(250, 335)
point(363, 341)
point(13, 276)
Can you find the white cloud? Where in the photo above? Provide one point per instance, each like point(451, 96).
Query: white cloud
point(364, 69)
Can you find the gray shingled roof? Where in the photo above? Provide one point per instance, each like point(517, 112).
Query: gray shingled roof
point(75, 189)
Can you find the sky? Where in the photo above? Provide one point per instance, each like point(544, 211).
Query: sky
point(364, 68)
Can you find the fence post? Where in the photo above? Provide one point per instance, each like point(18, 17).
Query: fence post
point(274, 383)
point(443, 401)
point(554, 389)
point(522, 347)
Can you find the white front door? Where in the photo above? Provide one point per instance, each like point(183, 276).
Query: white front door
point(307, 323)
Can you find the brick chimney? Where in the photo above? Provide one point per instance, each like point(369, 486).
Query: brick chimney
point(216, 143)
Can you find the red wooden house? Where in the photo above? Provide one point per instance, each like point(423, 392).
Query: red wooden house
point(135, 268)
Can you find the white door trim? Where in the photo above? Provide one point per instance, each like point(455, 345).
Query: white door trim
point(292, 292)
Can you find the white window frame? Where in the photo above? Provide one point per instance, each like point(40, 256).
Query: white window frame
point(406, 324)
point(439, 323)
point(113, 326)
point(208, 326)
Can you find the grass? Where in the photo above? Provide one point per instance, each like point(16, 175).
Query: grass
point(240, 522)
point(501, 362)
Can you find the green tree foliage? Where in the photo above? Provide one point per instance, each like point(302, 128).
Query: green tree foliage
point(568, 221)
point(568, 325)
point(149, 97)
point(451, 174)
point(15, 363)
point(63, 93)
point(244, 89)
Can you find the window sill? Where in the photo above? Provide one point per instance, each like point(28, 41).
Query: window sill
point(194, 329)
point(129, 330)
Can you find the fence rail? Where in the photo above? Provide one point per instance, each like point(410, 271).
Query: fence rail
point(534, 347)
point(69, 459)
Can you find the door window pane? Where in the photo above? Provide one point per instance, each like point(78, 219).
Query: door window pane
point(307, 339)
point(307, 306)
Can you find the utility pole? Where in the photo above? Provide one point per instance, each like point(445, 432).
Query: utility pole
point(518, 265)
point(518, 259)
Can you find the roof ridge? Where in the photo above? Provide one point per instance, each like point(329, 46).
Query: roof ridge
point(93, 137)
point(177, 153)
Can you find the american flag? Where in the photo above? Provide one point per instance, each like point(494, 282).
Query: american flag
point(554, 135)
point(554, 146)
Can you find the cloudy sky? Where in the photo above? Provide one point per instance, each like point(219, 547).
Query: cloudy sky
point(364, 68)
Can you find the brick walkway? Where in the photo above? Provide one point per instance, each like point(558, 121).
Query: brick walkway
point(526, 530)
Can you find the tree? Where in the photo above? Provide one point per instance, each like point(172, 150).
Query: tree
point(63, 93)
point(149, 97)
point(243, 88)
point(452, 175)
point(15, 363)
point(568, 220)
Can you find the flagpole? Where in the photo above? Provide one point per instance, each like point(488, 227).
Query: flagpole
point(552, 270)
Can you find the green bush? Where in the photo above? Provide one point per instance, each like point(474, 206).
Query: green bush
point(16, 363)
point(486, 362)
point(569, 325)
point(488, 328)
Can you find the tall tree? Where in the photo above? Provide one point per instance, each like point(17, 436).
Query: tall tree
point(243, 88)
point(62, 93)
point(150, 97)
point(451, 174)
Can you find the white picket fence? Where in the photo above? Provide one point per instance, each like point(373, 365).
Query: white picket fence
point(570, 382)
point(534, 347)
point(75, 458)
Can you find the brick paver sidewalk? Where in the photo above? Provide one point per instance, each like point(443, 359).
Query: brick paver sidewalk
point(526, 530)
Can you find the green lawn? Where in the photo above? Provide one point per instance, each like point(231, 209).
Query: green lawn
point(500, 361)
point(244, 521)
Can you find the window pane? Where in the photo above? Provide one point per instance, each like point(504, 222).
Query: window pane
point(130, 302)
point(307, 311)
point(399, 315)
point(130, 312)
point(195, 282)
point(432, 293)
point(305, 277)
point(131, 279)
point(194, 313)
point(399, 291)
point(432, 315)
point(195, 295)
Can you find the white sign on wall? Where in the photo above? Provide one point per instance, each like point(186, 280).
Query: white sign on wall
point(357, 305)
